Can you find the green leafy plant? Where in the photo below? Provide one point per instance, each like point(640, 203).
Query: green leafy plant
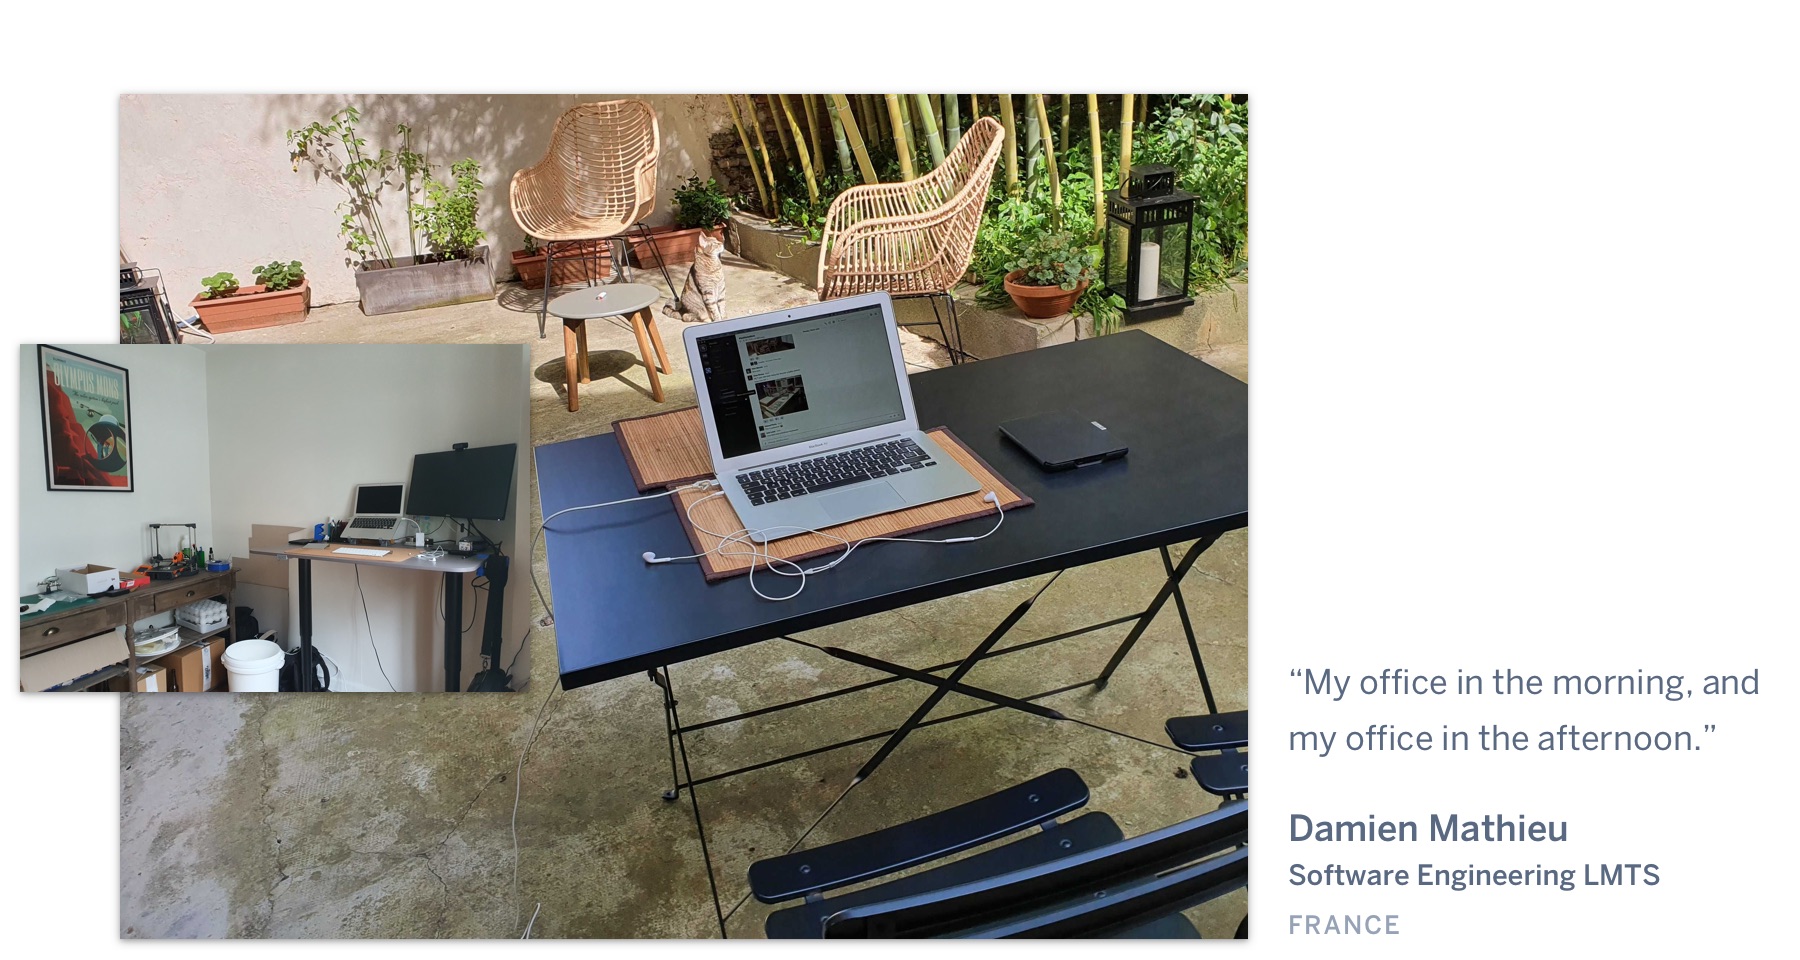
point(219, 285)
point(1053, 258)
point(448, 218)
point(277, 275)
point(702, 205)
point(336, 150)
point(530, 245)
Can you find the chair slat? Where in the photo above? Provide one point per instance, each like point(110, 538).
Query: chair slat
point(927, 838)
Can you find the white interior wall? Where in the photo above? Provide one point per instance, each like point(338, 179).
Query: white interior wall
point(168, 439)
point(206, 183)
point(294, 428)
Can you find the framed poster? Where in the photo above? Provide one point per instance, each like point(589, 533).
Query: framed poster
point(87, 422)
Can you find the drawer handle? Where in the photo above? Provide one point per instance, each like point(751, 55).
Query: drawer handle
point(190, 593)
point(53, 631)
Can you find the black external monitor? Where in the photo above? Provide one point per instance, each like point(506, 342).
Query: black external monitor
point(468, 484)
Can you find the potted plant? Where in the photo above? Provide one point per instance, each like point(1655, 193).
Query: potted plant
point(280, 295)
point(575, 261)
point(455, 271)
point(699, 208)
point(457, 268)
point(1048, 272)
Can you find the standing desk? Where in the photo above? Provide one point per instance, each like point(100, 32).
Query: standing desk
point(452, 568)
point(1186, 478)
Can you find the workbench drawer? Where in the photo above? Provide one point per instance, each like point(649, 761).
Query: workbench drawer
point(49, 634)
point(170, 599)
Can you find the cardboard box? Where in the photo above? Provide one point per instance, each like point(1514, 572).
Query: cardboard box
point(151, 679)
point(89, 580)
point(199, 668)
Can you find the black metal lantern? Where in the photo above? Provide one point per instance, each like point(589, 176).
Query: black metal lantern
point(1147, 237)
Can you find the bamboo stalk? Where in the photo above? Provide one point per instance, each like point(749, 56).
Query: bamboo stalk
point(953, 119)
point(933, 142)
point(781, 134)
point(812, 126)
point(1043, 118)
point(1093, 108)
point(854, 135)
point(762, 193)
point(806, 167)
point(1012, 144)
point(1063, 140)
point(874, 119)
point(837, 134)
point(1033, 139)
point(937, 110)
point(1125, 147)
point(762, 146)
point(902, 138)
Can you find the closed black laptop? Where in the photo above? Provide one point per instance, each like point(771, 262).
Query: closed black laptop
point(1063, 440)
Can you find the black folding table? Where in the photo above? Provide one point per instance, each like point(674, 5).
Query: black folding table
point(1186, 478)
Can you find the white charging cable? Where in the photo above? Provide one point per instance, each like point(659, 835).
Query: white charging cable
point(696, 485)
point(781, 566)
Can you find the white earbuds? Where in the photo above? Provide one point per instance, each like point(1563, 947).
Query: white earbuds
point(649, 557)
point(992, 498)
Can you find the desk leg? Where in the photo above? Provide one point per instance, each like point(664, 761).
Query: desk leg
point(956, 675)
point(452, 632)
point(308, 676)
point(1187, 627)
point(1169, 587)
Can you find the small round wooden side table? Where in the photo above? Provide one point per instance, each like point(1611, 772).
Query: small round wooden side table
point(609, 300)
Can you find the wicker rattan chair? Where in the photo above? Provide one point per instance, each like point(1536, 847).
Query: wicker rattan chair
point(913, 239)
point(596, 182)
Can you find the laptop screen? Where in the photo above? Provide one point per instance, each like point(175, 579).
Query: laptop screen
point(379, 497)
point(800, 380)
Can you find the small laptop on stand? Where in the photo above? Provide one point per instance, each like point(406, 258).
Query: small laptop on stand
point(809, 417)
point(378, 511)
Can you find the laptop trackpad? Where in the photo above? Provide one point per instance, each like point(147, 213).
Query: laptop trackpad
point(843, 506)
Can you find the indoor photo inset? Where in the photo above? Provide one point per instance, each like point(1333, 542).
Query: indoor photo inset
point(271, 518)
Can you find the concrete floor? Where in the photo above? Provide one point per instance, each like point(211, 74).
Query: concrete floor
point(390, 815)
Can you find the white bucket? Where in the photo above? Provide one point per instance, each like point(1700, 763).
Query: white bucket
point(254, 666)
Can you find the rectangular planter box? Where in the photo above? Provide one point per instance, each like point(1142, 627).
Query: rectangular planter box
point(411, 285)
point(676, 246)
point(253, 307)
point(574, 264)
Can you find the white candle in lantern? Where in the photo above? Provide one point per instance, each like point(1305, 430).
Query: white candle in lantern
point(1149, 269)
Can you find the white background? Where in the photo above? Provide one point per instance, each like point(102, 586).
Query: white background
point(1523, 385)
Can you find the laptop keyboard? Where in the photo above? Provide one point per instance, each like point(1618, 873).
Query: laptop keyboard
point(372, 523)
point(800, 477)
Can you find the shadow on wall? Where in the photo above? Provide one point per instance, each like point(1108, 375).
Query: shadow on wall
point(235, 158)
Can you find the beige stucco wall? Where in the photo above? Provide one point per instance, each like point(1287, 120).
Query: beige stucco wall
point(205, 183)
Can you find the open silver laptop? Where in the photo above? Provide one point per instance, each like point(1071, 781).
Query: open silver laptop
point(810, 419)
point(377, 515)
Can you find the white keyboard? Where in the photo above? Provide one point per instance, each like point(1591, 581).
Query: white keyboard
point(362, 551)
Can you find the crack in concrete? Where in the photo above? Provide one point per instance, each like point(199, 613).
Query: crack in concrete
point(266, 775)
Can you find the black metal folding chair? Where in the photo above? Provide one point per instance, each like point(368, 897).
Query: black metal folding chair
point(1226, 772)
point(1076, 878)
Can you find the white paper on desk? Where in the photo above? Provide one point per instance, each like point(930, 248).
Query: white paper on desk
point(42, 671)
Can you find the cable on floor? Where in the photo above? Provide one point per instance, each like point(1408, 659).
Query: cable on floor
point(518, 788)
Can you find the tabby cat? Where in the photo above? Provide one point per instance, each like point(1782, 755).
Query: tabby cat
point(703, 295)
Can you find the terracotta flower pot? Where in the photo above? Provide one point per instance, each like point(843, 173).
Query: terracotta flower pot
point(575, 263)
point(675, 246)
point(253, 307)
point(1041, 303)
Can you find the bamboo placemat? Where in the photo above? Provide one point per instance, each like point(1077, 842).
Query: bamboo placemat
point(717, 514)
point(664, 449)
